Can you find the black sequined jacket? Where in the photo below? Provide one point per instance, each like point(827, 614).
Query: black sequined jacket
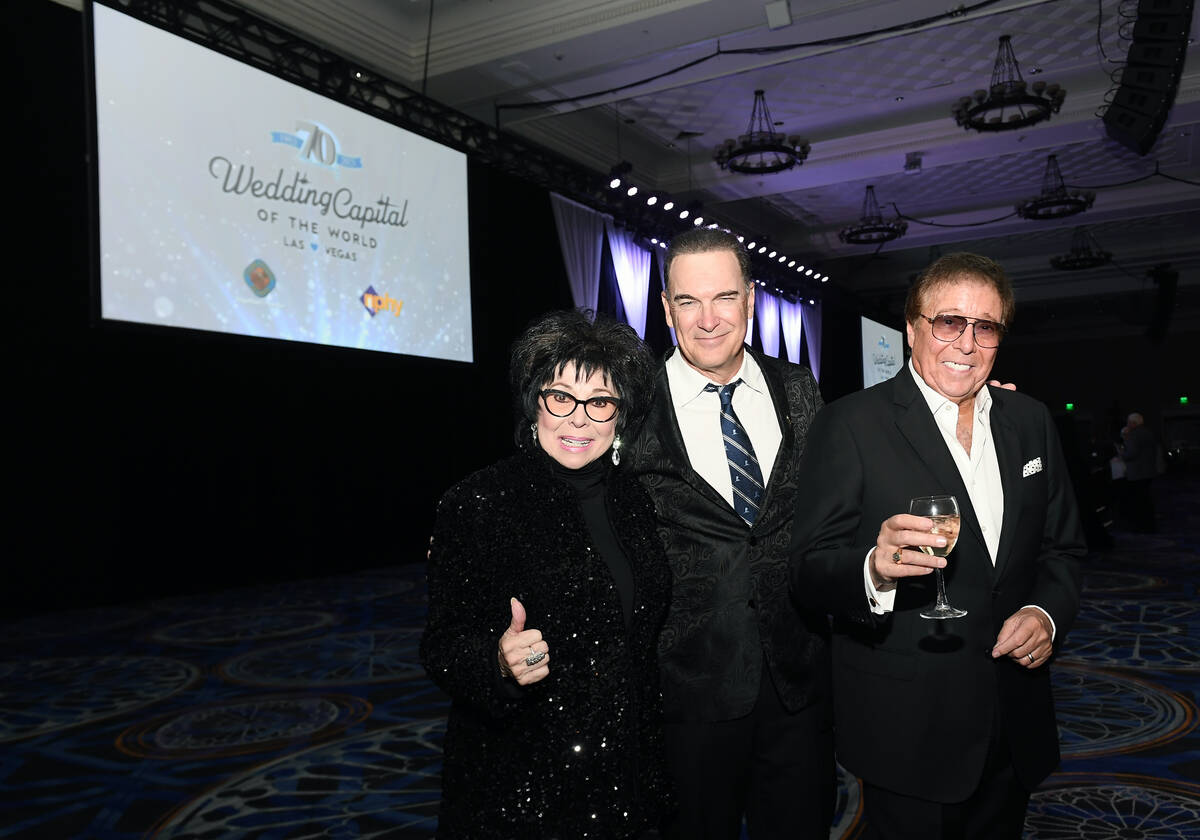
point(578, 754)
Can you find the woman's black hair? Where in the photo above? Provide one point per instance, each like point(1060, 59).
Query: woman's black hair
point(570, 336)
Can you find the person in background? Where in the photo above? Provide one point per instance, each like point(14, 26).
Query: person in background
point(1139, 452)
point(547, 589)
point(745, 674)
point(949, 722)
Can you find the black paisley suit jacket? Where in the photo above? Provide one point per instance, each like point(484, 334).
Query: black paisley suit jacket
point(730, 610)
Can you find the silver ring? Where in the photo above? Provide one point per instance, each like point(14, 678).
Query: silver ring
point(534, 658)
point(1031, 659)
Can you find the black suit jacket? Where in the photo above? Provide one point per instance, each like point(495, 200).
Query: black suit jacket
point(729, 607)
point(915, 703)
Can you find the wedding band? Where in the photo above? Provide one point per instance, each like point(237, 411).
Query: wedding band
point(896, 558)
point(1031, 660)
point(534, 658)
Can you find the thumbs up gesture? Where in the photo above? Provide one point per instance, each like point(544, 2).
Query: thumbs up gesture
point(523, 654)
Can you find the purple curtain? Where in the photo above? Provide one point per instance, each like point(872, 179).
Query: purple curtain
point(581, 238)
point(661, 262)
point(812, 327)
point(632, 264)
point(790, 314)
point(766, 308)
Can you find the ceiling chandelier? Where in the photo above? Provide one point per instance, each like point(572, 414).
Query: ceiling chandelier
point(1085, 253)
point(761, 150)
point(872, 229)
point(1055, 202)
point(1008, 104)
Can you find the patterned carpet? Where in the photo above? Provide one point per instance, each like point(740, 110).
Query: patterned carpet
point(299, 710)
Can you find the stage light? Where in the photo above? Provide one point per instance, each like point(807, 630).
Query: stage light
point(800, 268)
point(772, 254)
point(783, 258)
point(750, 247)
point(631, 192)
point(699, 220)
point(808, 273)
point(762, 249)
point(670, 205)
point(1070, 406)
point(617, 172)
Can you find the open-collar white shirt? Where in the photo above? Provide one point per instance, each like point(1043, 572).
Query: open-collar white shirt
point(979, 469)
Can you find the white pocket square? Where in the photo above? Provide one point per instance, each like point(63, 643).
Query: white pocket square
point(1031, 468)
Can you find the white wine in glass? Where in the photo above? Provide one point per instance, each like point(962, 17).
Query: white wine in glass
point(943, 510)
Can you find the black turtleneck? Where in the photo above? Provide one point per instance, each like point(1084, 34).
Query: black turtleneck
point(590, 482)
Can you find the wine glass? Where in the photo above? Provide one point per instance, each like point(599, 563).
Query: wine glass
point(943, 510)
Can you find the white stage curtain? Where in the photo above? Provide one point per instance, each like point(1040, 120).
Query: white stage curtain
point(632, 264)
point(766, 308)
point(812, 327)
point(581, 238)
point(790, 316)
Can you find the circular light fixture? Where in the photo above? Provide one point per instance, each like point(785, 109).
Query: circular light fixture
point(1054, 201)
point(1083, 254)
point(1008, 103)
point(872, 229)
point(761, 150)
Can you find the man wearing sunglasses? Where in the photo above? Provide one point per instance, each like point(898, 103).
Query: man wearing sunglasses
point(949, 722)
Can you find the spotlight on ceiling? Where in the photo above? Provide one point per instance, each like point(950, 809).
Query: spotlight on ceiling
point(617, 173)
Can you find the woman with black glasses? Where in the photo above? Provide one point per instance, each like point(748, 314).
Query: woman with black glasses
point(547, 588)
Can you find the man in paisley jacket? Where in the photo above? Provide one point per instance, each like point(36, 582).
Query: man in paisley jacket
point(745, 675)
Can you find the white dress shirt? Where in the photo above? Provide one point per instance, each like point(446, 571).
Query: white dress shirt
point(699, 415)
point(979, 469)
point(980, 472)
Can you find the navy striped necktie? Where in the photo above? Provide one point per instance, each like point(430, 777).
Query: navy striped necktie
point(743, 465)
